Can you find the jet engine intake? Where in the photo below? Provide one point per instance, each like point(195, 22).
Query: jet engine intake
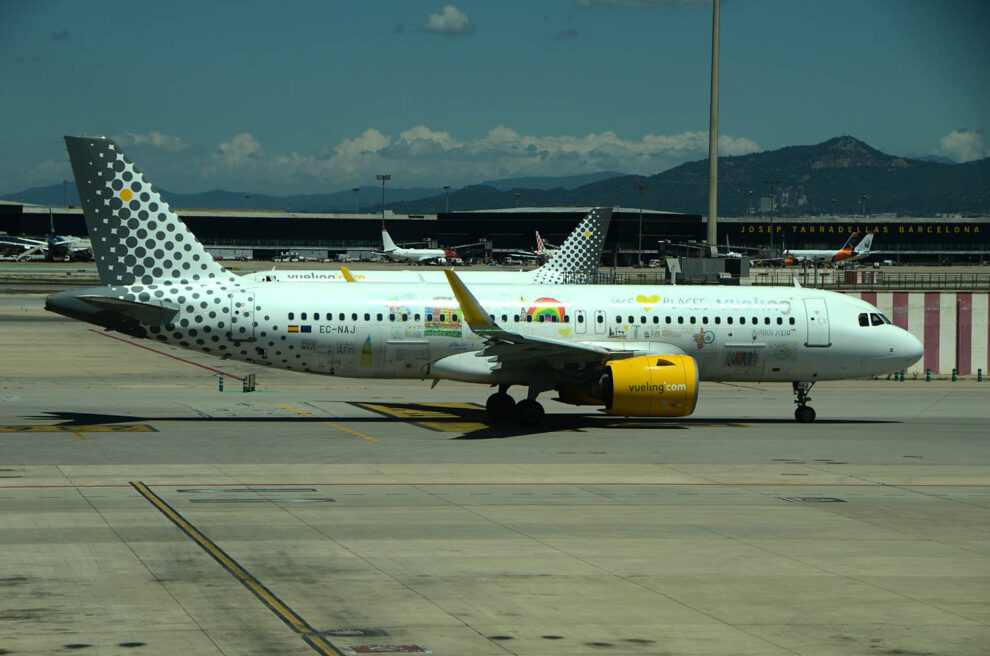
point(651, 386)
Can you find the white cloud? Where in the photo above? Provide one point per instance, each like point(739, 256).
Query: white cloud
point(423, 156)
point(962, 146)
point(451, 21)
point(154, 139)
point(241, 147)
point(417, 156)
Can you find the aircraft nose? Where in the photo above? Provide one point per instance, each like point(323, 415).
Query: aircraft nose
point(909, 347)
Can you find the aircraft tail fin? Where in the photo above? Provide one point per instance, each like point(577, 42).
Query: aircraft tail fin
point(136, 237)
point(387, 244)
point(851, 242)
point(577, 259)
point(539, 243)
point(864, 246)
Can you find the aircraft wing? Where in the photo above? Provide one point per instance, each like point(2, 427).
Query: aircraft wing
point(515, 351)
point(28, 246)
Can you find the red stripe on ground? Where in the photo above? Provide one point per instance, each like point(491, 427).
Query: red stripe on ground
point(964, 333)
point(932, 325)
point(900, 317)
point(167, 355)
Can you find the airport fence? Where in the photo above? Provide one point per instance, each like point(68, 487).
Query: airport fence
point(872, 280)
point(837, 280)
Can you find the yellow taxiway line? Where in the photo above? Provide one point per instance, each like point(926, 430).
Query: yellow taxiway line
point(330, 423)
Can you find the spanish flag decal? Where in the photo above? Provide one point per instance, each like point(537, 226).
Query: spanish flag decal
point(293, 329)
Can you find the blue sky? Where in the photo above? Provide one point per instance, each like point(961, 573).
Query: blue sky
point(317, 96)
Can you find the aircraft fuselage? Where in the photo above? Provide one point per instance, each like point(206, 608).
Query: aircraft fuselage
point(412, 331)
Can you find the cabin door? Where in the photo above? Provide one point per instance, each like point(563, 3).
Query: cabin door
point(818, 329)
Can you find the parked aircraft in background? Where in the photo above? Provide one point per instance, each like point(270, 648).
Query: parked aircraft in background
point(850, 252)
point(542, 252)
point(55, 247)
point(416, 255)
point(633, 350)
point(576, 261)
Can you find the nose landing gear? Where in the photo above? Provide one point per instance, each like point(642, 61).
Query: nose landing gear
point(804, 413)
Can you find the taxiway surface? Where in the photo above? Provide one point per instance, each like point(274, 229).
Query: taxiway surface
point(142, 511)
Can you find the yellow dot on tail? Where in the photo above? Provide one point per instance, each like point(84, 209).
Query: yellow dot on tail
point(126, 195)
point(587, 233)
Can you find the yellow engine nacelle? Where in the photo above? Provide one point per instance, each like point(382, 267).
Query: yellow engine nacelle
point(651, 386)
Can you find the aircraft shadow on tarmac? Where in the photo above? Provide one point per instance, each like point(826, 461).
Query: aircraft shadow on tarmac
point(470, 421)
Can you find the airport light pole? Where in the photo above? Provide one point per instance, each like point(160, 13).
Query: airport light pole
point(772, 203)
point(517, 198)
point(712, 231)
point(446, 198)
point(833, 206)
point(642, 187)
point(65, 192)
point(383, 177)
point(247, 197)
point(865, 198)
point(750, 193)
point(355, 190)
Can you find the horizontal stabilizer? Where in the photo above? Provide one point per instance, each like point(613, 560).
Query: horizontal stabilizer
point(152, 313)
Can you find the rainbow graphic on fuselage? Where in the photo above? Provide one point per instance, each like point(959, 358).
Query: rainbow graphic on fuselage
point(549, 308)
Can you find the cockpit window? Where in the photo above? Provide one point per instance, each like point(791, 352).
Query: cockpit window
point(885, 319)
point(864, 319)
point(875, 319)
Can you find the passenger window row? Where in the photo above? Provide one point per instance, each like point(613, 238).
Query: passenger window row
point(864, 319)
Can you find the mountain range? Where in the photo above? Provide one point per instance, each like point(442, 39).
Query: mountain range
point(840, 176)
point(807, 178)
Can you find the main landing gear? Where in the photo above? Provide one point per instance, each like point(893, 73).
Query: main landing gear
point(503, 409)
point(803, 413)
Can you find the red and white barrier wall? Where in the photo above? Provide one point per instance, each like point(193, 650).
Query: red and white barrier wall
point(953, 326)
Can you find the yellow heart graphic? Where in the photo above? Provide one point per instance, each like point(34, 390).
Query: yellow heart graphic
point(647, 302)
point(564, 332)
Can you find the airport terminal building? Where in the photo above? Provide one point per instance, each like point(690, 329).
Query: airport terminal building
point(483, 234)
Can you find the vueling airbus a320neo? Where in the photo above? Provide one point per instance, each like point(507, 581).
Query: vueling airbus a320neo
point(635, 351)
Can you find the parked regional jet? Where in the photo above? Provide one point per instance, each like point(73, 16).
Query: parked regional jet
point(576, 261)
point(632, 350)
point(850, 252)
point(399, 254)
point(55, 247)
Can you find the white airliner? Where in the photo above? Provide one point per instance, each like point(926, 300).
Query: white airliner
point(576, 261)
point(543, 250)
point(55, 247)
point(399, 254)
point(632, 350)
point(850, 252)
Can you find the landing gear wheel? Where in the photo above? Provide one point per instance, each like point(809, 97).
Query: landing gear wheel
point(803, 413)
point(529, 413)
point(500, 406)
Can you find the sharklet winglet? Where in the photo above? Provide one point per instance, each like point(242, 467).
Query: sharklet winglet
point(474, 314)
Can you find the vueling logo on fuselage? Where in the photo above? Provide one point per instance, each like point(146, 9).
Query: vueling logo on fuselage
point(659, 388)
